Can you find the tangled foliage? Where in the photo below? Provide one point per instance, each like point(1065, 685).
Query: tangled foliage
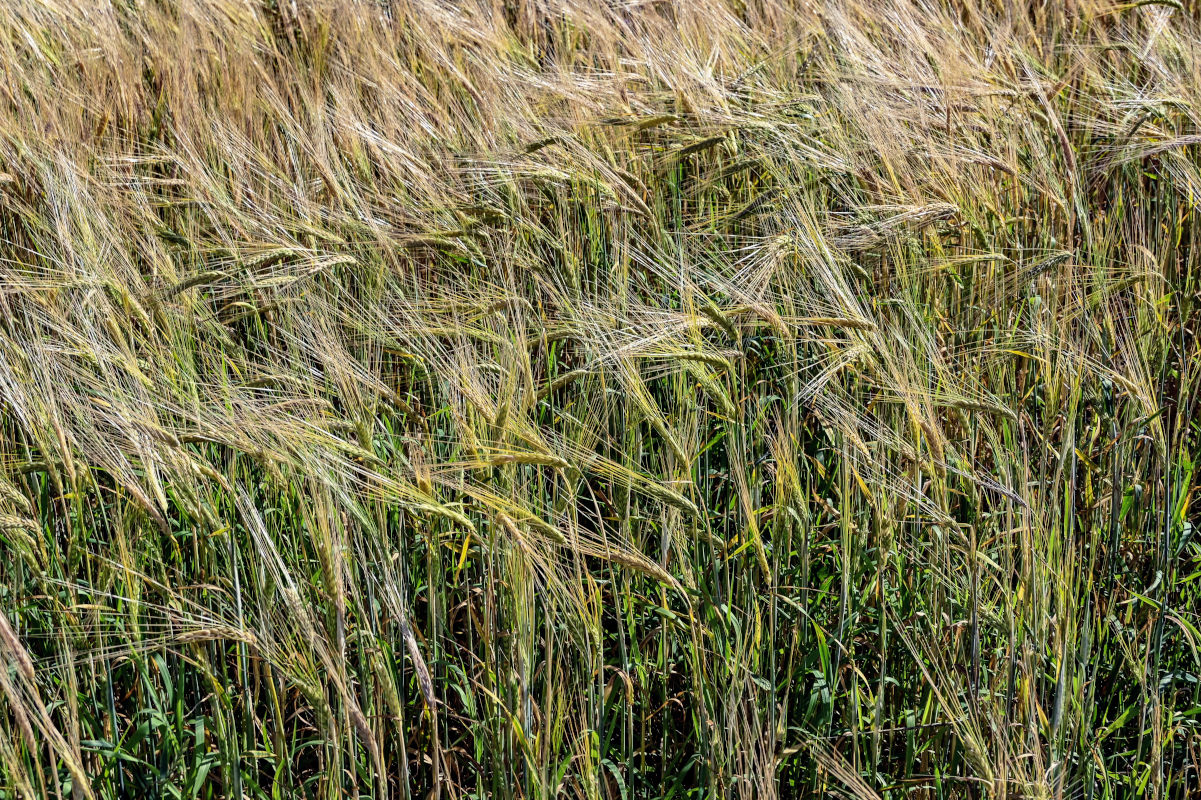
point(599, 399)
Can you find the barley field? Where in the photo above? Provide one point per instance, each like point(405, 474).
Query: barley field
point(600, 399)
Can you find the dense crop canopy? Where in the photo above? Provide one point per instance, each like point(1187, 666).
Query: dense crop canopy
point(537, 398)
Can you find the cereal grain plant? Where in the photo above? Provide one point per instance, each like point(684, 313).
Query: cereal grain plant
point(596, 399)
